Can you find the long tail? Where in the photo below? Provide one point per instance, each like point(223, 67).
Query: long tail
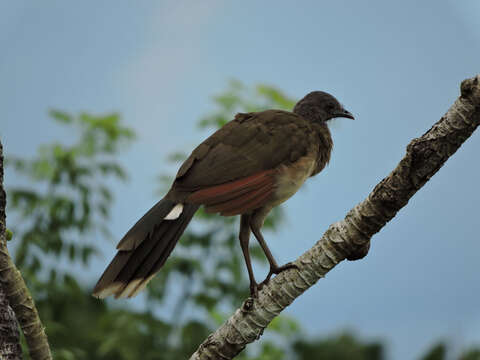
point(144, 249)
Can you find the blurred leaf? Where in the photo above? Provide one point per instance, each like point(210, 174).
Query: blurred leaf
point(179, 156)
point(341, 347)
point(437, 352)
point(239, 98)
point(60, 116)
point(284, 325)
point(276, 97)
point(472, 354)
point(217, 317)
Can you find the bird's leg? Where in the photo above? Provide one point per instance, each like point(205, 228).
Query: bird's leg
point(256, 223)
point(244, 237)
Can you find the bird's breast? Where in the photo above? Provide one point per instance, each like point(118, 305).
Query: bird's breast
point(291, 177)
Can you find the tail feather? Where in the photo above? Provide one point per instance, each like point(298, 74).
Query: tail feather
point(142, 263)
point(147, 224)
point(159, 256)
point(143, 251)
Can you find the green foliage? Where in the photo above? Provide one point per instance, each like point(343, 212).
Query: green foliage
point(241, 98)
point(68, 194)
point(342, 347)
point(440, 351)
point(66, 198)
point(220, 283)
point(63, 198)
point(472, 354)
point(437, 352)
point(268, 351)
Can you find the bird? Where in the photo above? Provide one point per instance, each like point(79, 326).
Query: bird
point(247, 167)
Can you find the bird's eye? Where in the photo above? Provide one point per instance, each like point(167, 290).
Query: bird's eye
point(330, 108)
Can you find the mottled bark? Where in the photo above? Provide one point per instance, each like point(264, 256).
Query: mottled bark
point(17, 294)
point(350, 238)
point(10, 348)
point(9, 336)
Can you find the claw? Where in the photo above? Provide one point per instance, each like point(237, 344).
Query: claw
point(287, 266)
point(276, 270)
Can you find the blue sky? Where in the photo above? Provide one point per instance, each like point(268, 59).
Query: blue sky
point(396, 65)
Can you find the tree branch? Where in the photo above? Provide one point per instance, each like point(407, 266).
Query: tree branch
point(17, 294)
point(350, 238)
point(10, 348)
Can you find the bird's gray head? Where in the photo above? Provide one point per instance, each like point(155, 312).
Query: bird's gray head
point(320, 106)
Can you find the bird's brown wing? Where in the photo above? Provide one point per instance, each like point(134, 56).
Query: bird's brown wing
point(233, 170)
point(238, 196)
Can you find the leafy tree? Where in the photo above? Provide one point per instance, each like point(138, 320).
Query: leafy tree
point(59, 211)
point(471, 354)
point(65, 199)
point(440, 350)
point(437, 352)
point(342, 347)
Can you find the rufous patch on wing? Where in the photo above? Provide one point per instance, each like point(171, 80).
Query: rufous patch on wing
point(243, 204)
point(236, 197)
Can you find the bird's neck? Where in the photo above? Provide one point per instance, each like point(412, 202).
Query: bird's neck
point(325, 145)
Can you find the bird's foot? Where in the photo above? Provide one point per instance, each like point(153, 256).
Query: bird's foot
point(254, 287)
point(277, 270)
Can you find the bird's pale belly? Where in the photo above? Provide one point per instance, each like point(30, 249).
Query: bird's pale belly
point(291, 177)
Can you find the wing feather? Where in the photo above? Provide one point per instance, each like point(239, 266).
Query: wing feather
point(236, 197)
point(245, 147)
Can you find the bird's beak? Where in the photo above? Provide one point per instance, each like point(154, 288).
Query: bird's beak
point(345, 114)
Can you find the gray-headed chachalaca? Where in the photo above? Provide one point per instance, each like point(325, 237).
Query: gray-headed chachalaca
point(252, 164)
